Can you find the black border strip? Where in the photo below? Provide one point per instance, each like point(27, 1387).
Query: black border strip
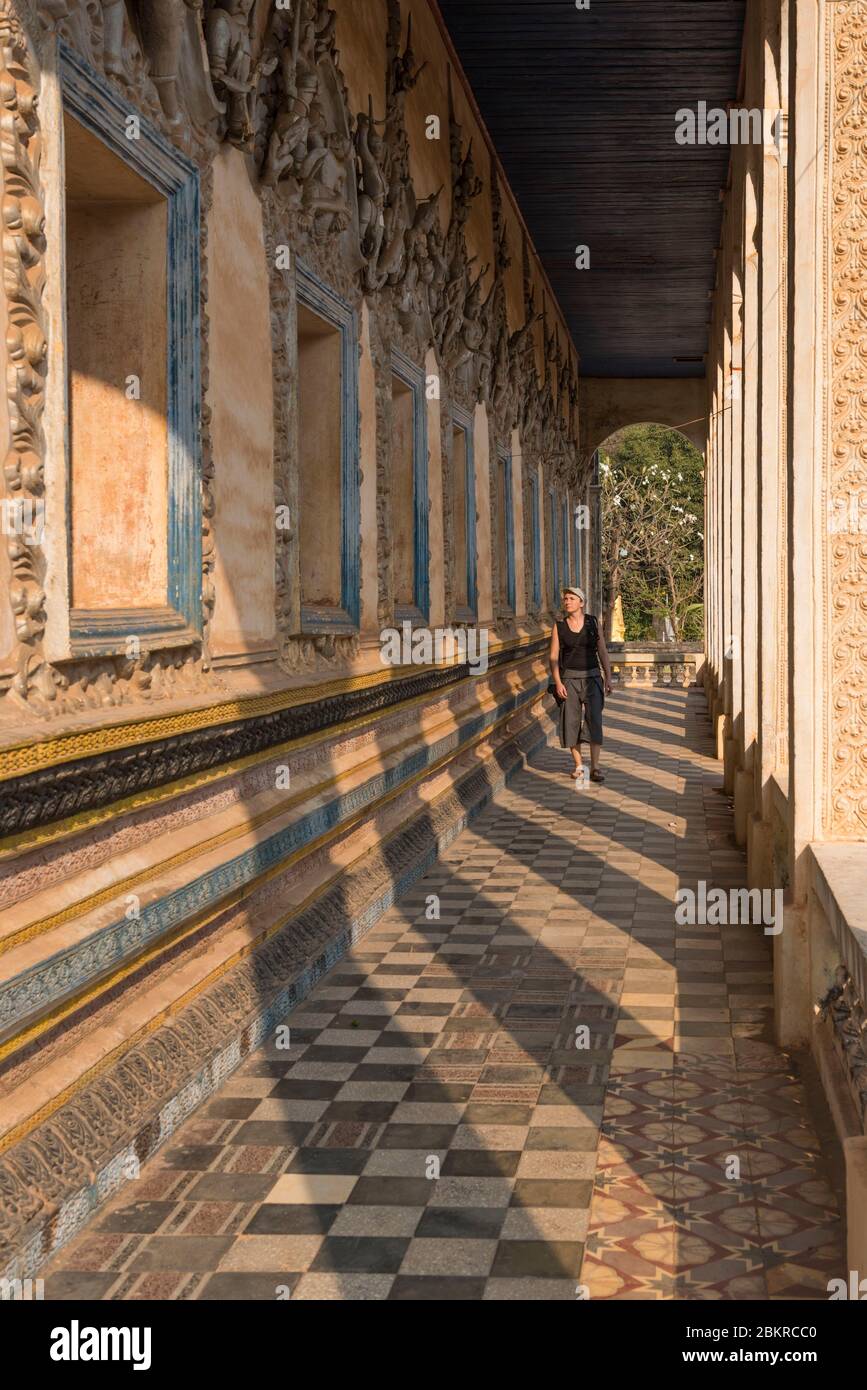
point(68, 789)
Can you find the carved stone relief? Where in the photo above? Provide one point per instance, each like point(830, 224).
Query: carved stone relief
point(337, 189)
point(846, 816)
point(27, 349)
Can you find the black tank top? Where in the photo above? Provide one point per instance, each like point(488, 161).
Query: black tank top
point(578, 650)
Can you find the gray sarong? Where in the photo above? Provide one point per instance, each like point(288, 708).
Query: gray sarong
point(581, 713)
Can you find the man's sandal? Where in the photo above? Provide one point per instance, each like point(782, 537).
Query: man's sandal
point(596, 776)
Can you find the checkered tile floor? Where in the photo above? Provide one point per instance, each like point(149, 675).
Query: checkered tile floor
point(548, 1091)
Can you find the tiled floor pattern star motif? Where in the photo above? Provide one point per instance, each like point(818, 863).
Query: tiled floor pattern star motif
point(549, 1090)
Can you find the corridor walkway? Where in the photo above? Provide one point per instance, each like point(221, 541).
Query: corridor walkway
point(552, 1091)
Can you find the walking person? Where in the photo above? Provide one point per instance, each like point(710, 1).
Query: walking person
point(577, 651)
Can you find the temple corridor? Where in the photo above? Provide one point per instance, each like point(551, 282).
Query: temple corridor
point(374, 369)
point(437, 1128)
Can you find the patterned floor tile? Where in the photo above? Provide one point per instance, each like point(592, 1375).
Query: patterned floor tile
point(552, 1091)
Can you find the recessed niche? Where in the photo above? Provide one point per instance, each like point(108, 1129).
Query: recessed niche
point(504, 533)
point(320, 447)
point(403, 447)
point(460, 480)
point(117, 367)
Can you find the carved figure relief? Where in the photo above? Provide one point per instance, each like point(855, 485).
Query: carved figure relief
point(340, 190)
point(231, 63)
point(308, 150)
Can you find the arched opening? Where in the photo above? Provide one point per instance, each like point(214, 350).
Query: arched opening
point(651, 553)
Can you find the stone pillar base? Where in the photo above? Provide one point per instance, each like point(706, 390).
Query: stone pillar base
point(760, 853)
point(730, 753)
point(743, 789)
point(855, 1151)
point(792, 1013)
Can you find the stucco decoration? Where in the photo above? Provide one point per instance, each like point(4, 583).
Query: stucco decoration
point(336, 189)
point(230, 54)
point(843, 1005)
point(36, 687)
point(156, 51)
point(846, 816)
point(303, 138)
point(23, 283)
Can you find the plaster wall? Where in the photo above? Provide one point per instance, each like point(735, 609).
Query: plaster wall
point(482, 446)
point(7, 629)
point(608, 404)
point(242, 428)
point(436, 533)
point(319, 458)
point(403, 491)
point(367, 437)
point(360, 31)
point(116, 325)
point(519, 522)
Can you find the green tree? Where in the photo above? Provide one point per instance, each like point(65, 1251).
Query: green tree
point(652, 487)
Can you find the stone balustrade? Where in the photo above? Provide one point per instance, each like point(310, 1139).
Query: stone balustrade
point(838, 959)
point(655, 663)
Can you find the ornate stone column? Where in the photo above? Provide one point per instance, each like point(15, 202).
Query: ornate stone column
point(725, 488)
point(735, 444)
point(744, 777)
point(761, 869)
point(808, 612)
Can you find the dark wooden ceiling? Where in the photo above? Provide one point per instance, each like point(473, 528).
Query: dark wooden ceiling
point(580, 105)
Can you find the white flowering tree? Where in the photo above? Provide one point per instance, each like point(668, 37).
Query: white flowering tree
point(652, 488)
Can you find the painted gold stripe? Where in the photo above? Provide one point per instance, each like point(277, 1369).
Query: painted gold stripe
point(38, 837)
point(35, 755)
point(69, 1006)
point(203, 847)
point(32, 757)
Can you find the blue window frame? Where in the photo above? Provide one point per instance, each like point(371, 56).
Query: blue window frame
point(553, 550)
point(414, 377)
point(537, 543)
point(505, 466)
point(322, 300)
point(578, 560)
point(102, 111)
point(463, 421)
point(564, 541)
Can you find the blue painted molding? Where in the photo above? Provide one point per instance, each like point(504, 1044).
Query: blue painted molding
point(505, 463)
point(101, 110)
point(414, 377)
point(322, 300)
point(30, 993)
point(537, 542)
point(463, 421)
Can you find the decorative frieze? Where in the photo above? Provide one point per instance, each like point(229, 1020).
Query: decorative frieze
point(73, 787)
